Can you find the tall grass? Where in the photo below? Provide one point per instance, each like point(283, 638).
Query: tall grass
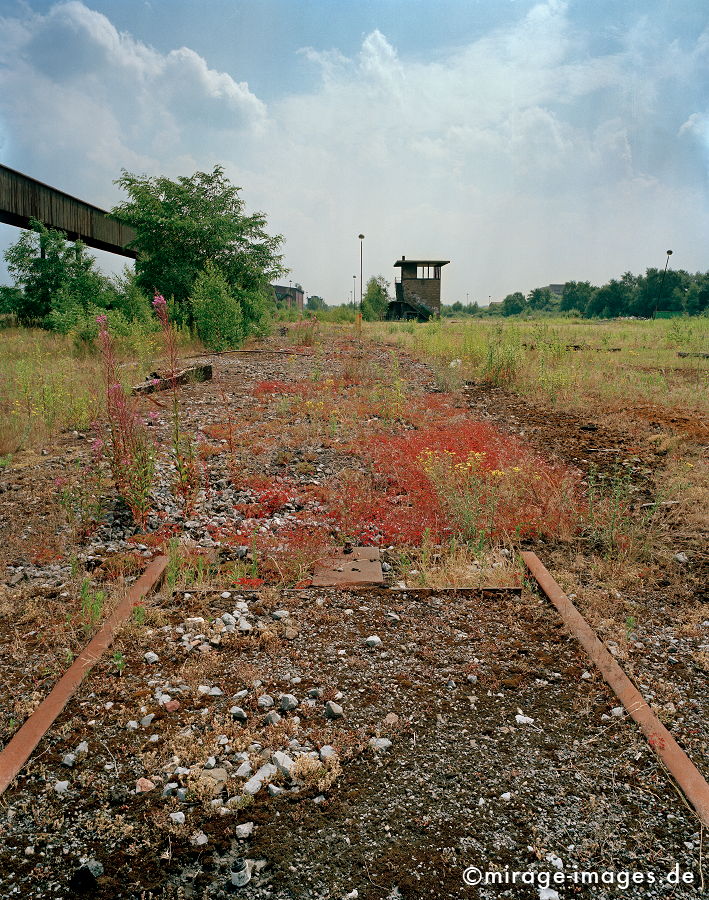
point(616, 360)
point(49, 384)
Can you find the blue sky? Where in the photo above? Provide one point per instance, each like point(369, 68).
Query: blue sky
point(527, 142)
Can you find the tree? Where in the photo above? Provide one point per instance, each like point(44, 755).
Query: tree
point(315, 303)
point(376, 299)
point(185, 224)
point(53, 276)
point(576, 295)
point(513, 304)
point(541, 298)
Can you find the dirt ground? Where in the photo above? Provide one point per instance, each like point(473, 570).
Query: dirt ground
point(474, 733)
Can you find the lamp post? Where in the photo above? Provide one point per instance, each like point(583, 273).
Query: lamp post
point(354, 291)
point(662, 282)
point(361, 282)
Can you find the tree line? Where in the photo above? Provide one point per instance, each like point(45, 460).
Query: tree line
point(644, 296)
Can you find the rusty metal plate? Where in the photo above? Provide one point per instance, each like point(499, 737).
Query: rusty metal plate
point(360, 568)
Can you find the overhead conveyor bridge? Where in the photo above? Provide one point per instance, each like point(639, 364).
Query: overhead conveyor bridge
point(23, 198)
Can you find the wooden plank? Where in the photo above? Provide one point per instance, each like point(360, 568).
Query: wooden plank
point(164, 382)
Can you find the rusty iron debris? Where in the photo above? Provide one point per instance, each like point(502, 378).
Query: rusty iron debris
point(159, 382)
point(23, 743)
point(675, 760)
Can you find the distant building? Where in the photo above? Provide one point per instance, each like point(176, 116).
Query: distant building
point(289, 296)
point(418, 291)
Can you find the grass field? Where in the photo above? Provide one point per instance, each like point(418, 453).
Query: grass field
point(571, 363)
point(48, 384)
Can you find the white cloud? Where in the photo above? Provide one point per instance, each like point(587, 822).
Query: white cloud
point(523, 156)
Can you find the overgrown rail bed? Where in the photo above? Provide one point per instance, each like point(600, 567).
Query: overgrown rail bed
point(298, 453)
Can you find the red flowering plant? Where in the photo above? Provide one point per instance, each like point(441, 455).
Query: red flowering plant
point(129, 448)
point(183, 451)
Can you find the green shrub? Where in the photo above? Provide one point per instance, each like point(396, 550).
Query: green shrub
point(218, 315)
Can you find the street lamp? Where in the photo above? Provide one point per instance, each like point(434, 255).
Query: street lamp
point(361, 244)
point(354, 292)
point(662, 282)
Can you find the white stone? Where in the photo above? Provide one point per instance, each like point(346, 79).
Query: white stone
point(244, 830)
point(199, 839)
point(372, 641)
point(151, 657)
point(524, 720)
point(283, 762)
point(178, 818)
point(61, 787)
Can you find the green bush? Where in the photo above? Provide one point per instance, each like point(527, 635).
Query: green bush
point(217, 313)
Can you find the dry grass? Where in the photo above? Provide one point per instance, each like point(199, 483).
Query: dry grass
point(530, 357)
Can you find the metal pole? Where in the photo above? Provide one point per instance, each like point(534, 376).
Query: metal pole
point(354, 292)
point(361, 283)
point(662, 282)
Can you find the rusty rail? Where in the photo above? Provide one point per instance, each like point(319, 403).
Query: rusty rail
point(680, 766)
point(21, 746)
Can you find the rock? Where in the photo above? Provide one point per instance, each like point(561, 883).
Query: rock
point(151, 657)
point(524, 720)
point(199, 839)
point(82, 749)
point(178, 818)
point(216, 692)
point(327, 752)
point(315, 693)
point(274, 790)
point(211, 762)
point(681, 557)
point(546, 893)
point(256, 782)
point(617, 711)
point(379, 744)
point(143, 785)
point(244, 830)
point(280, 614)
point(283, 762)
point(225, 595)
point(288, 702)
point(586, 676)
point(61, 787)
point(29, 851)
point(271, 718)
point(69, 760)
point(372, 641)
point(170, 788)
point(84, 878)
point(147, 720)
point(333, 710)
point(214, 779)
point(265, 701)
point(391, 719)
point(472, 679)
point(244, 770)
point(386, 567)
point(238, 714)
point(506, 796)
point(228, 619)
point(244, 624)
point(132, 725)
point(172, 705)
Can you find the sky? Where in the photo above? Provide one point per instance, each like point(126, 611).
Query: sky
point(527, 142)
